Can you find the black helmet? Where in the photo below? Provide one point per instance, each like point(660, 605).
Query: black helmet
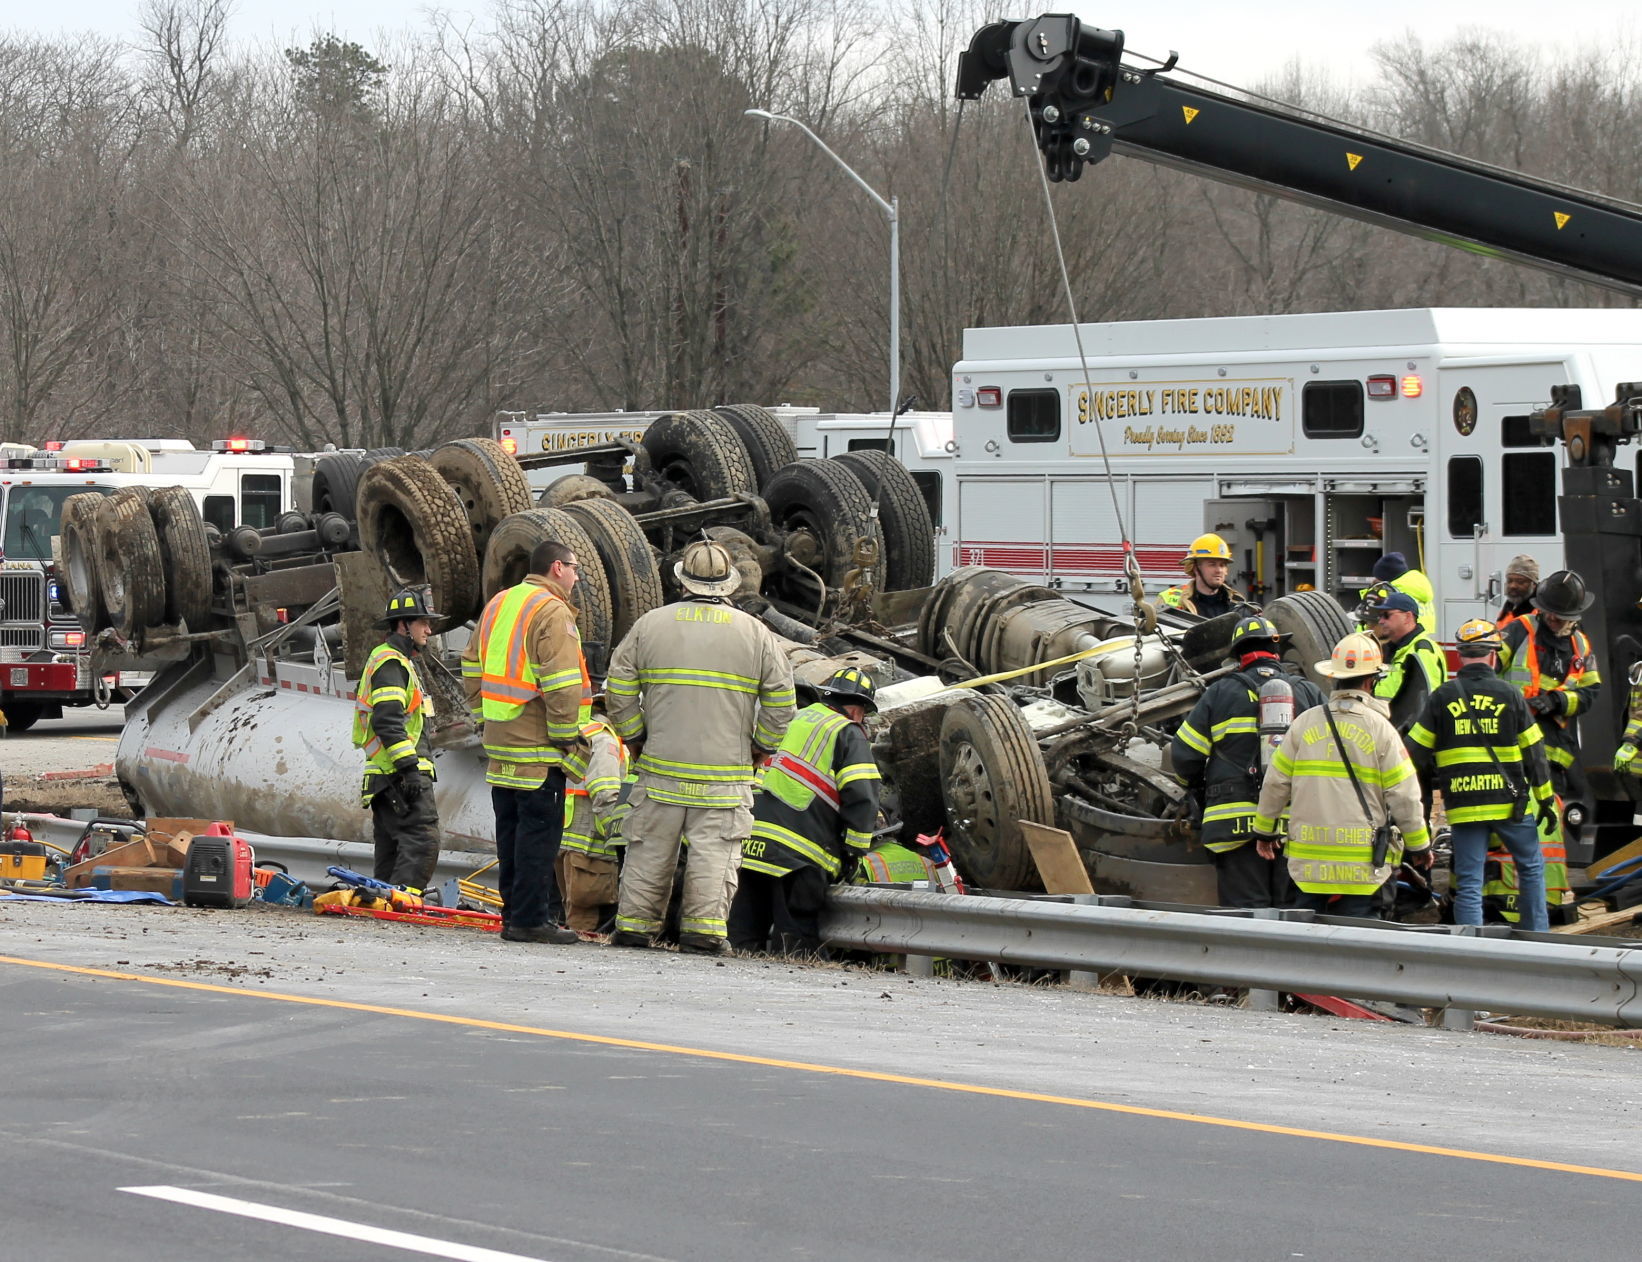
point(1564, 594)
point(406, 605)
point(1255, 628)
point(851, 687)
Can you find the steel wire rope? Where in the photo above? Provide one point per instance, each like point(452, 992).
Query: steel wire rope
point(1145, 615)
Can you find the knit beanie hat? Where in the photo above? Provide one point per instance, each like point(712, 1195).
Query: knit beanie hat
point(1524, 565)
point(1391, 565)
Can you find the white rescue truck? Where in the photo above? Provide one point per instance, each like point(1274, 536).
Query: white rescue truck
point(45, 660)
point(1312, 443)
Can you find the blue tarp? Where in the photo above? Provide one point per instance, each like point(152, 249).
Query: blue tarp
point(90, 896)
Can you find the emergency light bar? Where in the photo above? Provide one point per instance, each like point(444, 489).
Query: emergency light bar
point(57, 465)
point(239, 444)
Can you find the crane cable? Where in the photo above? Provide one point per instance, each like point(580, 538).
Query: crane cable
point(1145, 612)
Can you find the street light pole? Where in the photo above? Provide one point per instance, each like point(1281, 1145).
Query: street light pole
point(891, 208)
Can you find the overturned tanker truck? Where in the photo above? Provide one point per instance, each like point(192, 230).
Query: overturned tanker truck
point(1000, 700)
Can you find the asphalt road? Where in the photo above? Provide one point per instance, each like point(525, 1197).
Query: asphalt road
point(587, 1103)
point(82, 738)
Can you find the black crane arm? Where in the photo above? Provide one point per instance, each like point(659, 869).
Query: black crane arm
point(1086, 104)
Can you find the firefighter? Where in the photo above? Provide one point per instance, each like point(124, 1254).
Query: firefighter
point(1624, 758)
point(1392, 568)
point(390, 724)
point(1205, 592)
point(1521, 582)
point(1551, 662)
point(526, 678)
point(1343, 775)
point(1414, 665)
point(812, 820)
point(700, 691)
point(588, 868)
point(1220, 754)
point(1477, 741)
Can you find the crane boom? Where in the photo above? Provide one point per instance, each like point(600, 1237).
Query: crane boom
point(1086, 104)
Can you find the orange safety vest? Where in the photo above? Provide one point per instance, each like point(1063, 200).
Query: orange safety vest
point(506, 681)
point(1524, 668)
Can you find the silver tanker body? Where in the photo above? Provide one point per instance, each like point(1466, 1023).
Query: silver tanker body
point(270, 748)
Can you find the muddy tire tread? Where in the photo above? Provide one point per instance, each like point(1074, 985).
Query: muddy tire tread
point(414, 525)
point(507, 561)
point(701, 452)
point(770, 448)
point(903, 517)
point(628, 561)
point(129, 570)
point(488, 482)
point(1016, 771)
point(185, 555)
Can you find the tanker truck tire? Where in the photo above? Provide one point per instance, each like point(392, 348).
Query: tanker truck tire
point(769, 446)
point(507, 561)
point(488, 482)
point(903, 517)
point(625, 556)
point(823, 509)
point(185, 554)
point(992, 777)
point(79, 533)
point(129, 569)
point(414, 525)
point(1315, 623)
point(336, 483)
point(700, 453)
point(376, 455)
point(573, 488)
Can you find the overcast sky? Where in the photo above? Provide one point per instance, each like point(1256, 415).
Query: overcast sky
point(1237, 43)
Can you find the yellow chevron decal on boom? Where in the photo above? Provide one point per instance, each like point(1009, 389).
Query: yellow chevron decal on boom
point(1189, 112)
point(1352, 159)
point(1561, 219)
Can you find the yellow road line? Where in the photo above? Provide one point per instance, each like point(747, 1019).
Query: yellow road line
point(905, 1080)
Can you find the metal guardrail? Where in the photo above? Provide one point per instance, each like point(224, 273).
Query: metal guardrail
point(1439, 966)
point(1577, 979)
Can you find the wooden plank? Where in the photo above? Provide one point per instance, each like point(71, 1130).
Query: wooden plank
point(1603, 922)
point(1059, 863)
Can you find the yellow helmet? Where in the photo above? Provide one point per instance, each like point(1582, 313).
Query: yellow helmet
point(1210, 547)
point(1355, 655)
point(1479, 633)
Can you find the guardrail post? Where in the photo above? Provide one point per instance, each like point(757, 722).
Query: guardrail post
point(1459, 1019)
point(920, 965)
point(1264, 1000)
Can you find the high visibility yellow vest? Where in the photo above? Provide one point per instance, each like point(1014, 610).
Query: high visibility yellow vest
point(417, 705)
point(508, 680)
point(1423, 652)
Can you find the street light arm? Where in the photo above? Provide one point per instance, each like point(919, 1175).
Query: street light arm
point(848, 169)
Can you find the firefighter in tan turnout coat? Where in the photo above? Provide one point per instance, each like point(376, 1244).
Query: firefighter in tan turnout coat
point(700, 691)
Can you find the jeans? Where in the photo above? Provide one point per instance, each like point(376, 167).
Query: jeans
point(529, 824)
point(1521, 838)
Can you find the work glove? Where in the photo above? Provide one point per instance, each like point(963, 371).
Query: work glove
point(1554, 703)
point(848, 866)
point(1624, 756)
point(413, 783)
point(1546, 814)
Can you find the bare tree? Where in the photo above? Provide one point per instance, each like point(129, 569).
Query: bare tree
point(182, 44)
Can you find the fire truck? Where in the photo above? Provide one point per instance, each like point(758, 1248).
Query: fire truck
point(45, 663)
point(1311, 443)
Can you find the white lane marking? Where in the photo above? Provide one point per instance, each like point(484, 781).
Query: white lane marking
point(330, 1226)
